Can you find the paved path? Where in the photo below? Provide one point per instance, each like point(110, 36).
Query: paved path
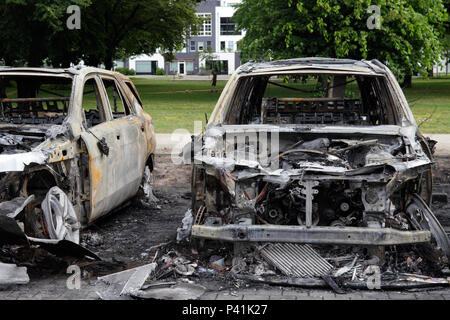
point(54, 288)
point(443, 145)
point(220, 77)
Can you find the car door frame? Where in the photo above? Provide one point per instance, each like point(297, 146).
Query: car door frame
point(133, 144)
point(102, 186)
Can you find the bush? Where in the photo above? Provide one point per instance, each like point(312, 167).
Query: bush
point(126, 71)
point(204, 71)
point(160, 72)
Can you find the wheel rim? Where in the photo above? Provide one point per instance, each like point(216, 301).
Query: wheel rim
point(60, 218)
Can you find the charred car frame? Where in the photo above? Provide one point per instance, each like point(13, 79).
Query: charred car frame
point(313, 150)
point(82, 134)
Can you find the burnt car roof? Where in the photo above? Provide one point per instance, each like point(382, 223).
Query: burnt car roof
point(68, 72)
point(348, 65)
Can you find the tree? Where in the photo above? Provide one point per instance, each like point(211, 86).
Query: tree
point(35, 31)
point(207, 54)
point(446, 40)
point(112, 29)
point(408, 40)
point(28, 27)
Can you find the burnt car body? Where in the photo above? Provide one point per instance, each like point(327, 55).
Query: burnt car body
point(318, 166)
point(82, 130)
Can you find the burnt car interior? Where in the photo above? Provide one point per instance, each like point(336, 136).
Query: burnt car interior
point(92, 103)
point(34, 100)
point(312, 99)
point(94, 111)
point(38, 101)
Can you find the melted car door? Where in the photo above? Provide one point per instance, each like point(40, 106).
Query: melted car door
point(131, 140)
point(102, 140)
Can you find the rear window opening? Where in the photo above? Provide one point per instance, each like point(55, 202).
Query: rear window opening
point(327, 99)
point(117, 104)
point(34, 99)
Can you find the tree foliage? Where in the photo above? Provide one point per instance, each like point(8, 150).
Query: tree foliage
point(112, 29)
point(28, 26)
point(34, 31)
point(409, 38)
point(206, 54)
point(447, 35)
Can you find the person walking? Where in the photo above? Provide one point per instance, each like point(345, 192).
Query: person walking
point(214, 80)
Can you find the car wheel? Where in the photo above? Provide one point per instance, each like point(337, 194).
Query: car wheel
point(61, 221)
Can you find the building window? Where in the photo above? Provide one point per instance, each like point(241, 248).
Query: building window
point(222, 45)
point(200, 46)
point(205, 27)
point(228, 27)
point(173, 68)
point(221, 66)
point(230, 45)
point(189, 66)
point(192, 45)
point(208, 44)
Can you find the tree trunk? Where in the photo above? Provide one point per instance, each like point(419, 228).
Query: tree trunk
point(37, 46)
point(446, 65)
point(430, 72)
point(109, 64)
point(109, 61)
point(407, 82)
point(92, 61)
point(8, 61)
point(34, 55)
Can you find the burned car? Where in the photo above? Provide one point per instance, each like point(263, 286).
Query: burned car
point(314, 151)
point(75, 144)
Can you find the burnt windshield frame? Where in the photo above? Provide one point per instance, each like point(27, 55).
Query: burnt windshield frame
point(249, 93)
point(30, 102)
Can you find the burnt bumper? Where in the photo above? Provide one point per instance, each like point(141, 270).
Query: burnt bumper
point(313, 235)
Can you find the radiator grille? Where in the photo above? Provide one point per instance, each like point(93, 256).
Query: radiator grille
point(298, 260)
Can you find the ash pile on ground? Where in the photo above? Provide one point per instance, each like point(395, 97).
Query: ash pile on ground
point(179, 270)
point(125, 236)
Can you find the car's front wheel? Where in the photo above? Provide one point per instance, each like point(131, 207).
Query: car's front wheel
point(60, 218)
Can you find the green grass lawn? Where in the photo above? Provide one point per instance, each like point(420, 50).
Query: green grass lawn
point(177, 104)
point(429, 100)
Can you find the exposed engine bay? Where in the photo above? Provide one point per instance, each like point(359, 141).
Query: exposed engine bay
point(339, 198)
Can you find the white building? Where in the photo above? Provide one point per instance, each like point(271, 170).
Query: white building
point(443, 69)
point(218, 31)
